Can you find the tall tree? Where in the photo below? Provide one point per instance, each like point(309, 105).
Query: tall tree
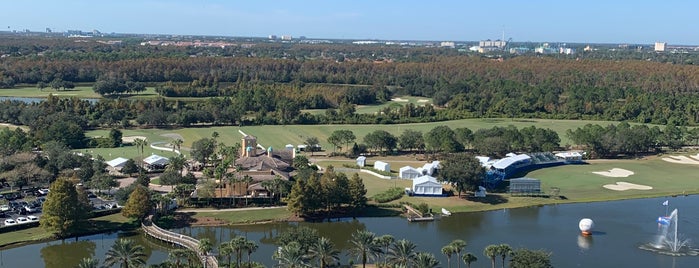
point(425, 260)
point(125, 253)
point(357, 192)
point(463, 171)
point(468, 258)
point(458, 246)
point(411, 140)
point(312, 144)
point(138, 205)
point(384, 242)
point(525, 258)
point(140, 145)
point(324, 251)
point(205, 246)
point(504, 250)
point(63, 213)
point(491, 251)
point(362, 246)
point(203, 150)
point(291, 255)
point(448, 250)
point(402, 253)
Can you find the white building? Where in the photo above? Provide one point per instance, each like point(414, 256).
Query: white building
point(116, 164)
point(408, 172)
point(660, 46)
point(447, 44)
point(429, 168)
point(361, 161)
point(382, 166)
point(427, 185)
point(156, 162)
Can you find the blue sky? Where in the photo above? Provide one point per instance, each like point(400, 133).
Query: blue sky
point(590, 21)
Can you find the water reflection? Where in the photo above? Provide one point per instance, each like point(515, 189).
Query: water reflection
point(55, 255)
point(584, 242)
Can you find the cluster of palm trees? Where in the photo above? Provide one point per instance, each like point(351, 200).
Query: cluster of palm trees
point(384, 251)
point(238, 246)
point(124, 253)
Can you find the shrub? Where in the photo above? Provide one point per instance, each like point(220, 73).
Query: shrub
point(389, 195)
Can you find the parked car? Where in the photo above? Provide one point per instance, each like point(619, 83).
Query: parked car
point(21, 220)
point(91, 195)
point(9, 222)
point(43, 191)
point(32, 218)
point(29, 209)
point(4, 208)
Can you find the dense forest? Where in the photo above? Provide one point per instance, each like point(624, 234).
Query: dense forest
point(291, 77)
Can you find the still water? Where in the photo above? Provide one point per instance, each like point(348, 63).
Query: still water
point(620, 228)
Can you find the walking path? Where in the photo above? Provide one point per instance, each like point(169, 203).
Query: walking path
point(156, 232)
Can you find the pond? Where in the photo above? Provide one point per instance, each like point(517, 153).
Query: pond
point(621, 227)
point(37, 100)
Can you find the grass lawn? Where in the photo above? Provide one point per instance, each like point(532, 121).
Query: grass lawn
point(34, 92)
point(278, 136)
point(99, 224)
point(247, 216)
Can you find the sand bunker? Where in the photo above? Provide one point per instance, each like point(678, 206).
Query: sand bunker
point(681, 159)
point(623, 186)
point(399, 100)
point(130, 139)
point(422, 101)
point(615, 173)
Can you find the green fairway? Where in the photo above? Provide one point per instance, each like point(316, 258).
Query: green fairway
point(278, 136)
point(34, 92)
point(248, 216)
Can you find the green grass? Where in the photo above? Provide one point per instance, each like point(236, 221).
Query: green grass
point(247, 216)
point(372, 109)
point(34, 92)
point(278, 136)
point(100, 224)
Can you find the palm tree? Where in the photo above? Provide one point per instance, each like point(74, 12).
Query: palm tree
point(250, 247)
point(177, 163)
point(125, 253)
point(225, 249)
point(491, 251)
point(363, 246)
point(458, 246)
point(401, 253)
point(504, 250)
point(324, 250)
point(290, 255)
point(425, 260)
point(448, 250)
point(88, 263)
point(237, 244)
point(176, 145)
point(177, 255)
point(205, 246)
point(140, 144)
point(385, 241)
point(468, 258)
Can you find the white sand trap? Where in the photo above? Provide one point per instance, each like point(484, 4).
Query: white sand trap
point(681, 159)
point(423, 101)
point(399, 100)
point(130, 139)
point(615, 173)
point(623, 186)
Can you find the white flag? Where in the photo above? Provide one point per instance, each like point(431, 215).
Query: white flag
point(666, 203)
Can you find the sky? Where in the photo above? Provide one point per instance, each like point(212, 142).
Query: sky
point(590, 21)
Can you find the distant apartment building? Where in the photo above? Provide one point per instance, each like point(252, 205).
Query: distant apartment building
point(272, 37)
point(486, 46)
point(660, 46)
point(447, 44)
point(286, 38)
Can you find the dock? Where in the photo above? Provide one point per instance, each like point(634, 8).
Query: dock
point(416, 216)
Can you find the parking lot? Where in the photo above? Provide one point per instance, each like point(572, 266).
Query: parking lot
point(25, 206)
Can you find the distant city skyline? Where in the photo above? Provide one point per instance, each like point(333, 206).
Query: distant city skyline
point(592, 21)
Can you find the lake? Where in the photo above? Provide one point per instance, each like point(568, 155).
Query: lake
point(620, 228)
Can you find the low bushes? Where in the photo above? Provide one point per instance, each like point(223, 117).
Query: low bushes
point(389, 195)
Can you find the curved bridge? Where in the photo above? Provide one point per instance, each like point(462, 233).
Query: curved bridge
point(152, 230)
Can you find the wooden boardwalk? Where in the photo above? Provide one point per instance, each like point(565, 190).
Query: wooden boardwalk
point(152, 230)
point(418, 215)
